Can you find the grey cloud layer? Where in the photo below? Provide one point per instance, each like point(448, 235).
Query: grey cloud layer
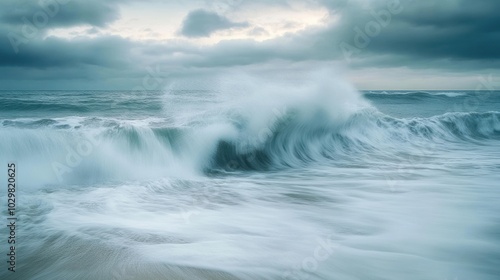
point(62, 13)
point(457, 30)
point(449, 35)
point(201, 23)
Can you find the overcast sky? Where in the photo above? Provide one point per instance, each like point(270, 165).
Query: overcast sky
point(377, 44)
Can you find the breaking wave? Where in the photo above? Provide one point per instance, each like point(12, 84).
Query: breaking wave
point(245, 125)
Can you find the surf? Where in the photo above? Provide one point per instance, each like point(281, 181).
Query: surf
point(243, 123)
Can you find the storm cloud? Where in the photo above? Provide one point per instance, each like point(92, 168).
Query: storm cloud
point(59, 13)
point(451, 37)
point(457, 30)
point(201, 23)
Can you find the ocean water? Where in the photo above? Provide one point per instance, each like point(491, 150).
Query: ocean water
point(253, 180)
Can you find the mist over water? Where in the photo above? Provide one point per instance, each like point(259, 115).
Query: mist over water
point(230, 176)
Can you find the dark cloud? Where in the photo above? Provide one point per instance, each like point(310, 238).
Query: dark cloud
point(59, 13)
point(52, 52)
point(450, 36)
point(25, 21)
point(457, 30)
point(201, 23)
point(37, 52)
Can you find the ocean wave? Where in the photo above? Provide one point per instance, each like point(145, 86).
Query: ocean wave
point(370, 132)
point(75, 122)
point(415, 94)
point(249, 124)
point(136, 151)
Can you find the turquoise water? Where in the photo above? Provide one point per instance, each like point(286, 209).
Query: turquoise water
point(304, 183)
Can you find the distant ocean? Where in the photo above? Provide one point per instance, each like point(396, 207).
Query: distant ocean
point(314, 182)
